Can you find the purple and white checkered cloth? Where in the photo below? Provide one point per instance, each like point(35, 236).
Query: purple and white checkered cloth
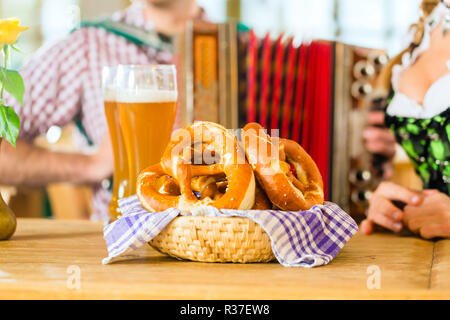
point(299, 239)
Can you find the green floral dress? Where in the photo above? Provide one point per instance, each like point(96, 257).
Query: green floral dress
point(427, 143)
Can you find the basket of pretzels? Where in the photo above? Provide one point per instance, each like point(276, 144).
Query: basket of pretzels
point(206, 165)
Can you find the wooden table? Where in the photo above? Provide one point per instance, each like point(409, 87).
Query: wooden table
point(39, 261)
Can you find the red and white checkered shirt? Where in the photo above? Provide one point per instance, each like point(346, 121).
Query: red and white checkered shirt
point(63, 81)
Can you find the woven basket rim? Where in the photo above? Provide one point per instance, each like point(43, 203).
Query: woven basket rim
point(210, 217)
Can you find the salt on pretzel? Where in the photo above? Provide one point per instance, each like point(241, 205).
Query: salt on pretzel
point(293, 190)
point(240, 191)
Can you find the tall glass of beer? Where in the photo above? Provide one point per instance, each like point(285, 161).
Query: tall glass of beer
point(147, 97)
point(120, 179)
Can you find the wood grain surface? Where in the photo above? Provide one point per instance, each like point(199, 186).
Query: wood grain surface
point(440, 273)
point(36, 263)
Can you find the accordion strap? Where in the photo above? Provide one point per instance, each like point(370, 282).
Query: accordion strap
point(132, 33)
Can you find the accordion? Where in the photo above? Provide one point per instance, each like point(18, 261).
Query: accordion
point(316, 93)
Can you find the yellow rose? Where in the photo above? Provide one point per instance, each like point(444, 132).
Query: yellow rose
point(10, 30)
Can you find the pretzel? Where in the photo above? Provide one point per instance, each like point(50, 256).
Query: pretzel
point(261, 200)
point(240, 190)
point(292, 180)
point(168, 185)
point(205, 186)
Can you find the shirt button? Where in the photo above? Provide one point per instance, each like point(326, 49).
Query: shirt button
point(106, 184)
point(404, 135)
point(433, 136)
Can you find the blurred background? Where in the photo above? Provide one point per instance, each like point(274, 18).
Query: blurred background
point(370, 23)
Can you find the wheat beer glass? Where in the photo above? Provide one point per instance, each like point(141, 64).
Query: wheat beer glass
point(147, 97)
point(120, 179)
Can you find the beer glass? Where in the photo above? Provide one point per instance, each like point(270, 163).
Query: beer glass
point(147, 97)
point(120, 178)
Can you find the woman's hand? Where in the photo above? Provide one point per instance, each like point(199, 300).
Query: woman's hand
point(431, 218)
point(380, 140)
point(383, 212)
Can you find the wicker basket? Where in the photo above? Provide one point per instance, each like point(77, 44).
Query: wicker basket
point(214, 239)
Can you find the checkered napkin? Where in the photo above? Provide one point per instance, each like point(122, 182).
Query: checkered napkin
point(299, 239)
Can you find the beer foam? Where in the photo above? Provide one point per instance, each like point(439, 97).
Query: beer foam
point(109, 94)
point(140, 96)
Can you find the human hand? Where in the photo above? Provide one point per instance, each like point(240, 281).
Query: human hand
point(383, 212)
point(431, 218)
point(101, 164)
point(380, 140)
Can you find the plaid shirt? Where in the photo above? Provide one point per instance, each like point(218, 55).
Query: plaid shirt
point(63, 83)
